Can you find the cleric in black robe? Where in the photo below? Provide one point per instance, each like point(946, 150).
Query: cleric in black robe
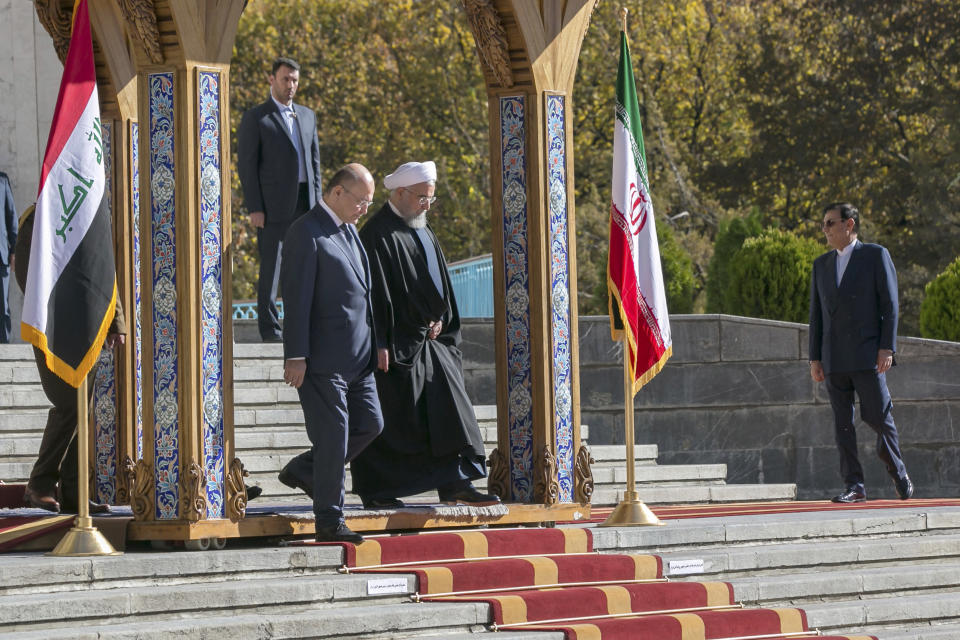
point(430, 438)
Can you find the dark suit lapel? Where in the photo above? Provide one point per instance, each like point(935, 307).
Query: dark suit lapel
point(301, 120)
point(828, 281)
point(279, 120)
point(340, 237)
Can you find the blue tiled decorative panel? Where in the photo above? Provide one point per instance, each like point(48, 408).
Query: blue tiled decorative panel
point(211, 287)
point(163, 237)
point(560, 293)
point(517, 287)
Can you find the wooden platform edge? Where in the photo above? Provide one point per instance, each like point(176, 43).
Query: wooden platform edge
point(278, 524)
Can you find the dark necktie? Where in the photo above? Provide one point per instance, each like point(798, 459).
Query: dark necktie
point(352, 241)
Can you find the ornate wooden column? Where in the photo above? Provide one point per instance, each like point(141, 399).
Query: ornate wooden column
point(529, 54)
point(165, 413)
point(188, 472)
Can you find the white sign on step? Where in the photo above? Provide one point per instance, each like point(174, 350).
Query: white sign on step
point(384, 586)
point(685, 567)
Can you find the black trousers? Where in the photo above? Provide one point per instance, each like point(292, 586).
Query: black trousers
point(342, 416)
point(876, 410)
point(57, 459)
point(270, 244)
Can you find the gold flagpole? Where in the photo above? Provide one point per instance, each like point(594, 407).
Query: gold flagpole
point(631, 511)
point(83, 539)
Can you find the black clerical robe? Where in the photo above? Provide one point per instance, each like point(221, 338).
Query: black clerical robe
point(430, 437)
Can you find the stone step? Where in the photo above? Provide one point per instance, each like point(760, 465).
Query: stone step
point(23, 396)
point(879, 616)
point(109, 606)
point(779, 558)
point(31, 573)
point(16, 352)
point(615, 454)
point(702, 535)
point(696, 493)
point(15, 372)
point(13, 421)
point(669, 474)
point(933, 631)
point(370, 621)
point(841, 584)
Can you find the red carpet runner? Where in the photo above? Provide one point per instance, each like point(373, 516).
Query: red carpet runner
point(551, 580)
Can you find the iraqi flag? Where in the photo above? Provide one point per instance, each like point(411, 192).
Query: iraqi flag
point(637, 299)
point(71, 289)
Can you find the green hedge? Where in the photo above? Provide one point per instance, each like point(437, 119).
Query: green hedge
point(677, 267)
point(940, 309)
point(730, 237)
point(769, 277)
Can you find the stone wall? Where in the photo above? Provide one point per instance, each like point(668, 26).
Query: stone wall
point(738, 391)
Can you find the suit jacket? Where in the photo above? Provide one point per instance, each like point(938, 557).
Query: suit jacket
point(328, 316)
point(267, 160)
point(851, 322)
point(8, 223)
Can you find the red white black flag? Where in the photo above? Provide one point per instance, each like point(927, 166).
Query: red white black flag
point(637, 299)
point(71, 288)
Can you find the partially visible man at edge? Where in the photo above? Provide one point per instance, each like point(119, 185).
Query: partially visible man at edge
point(853, 336)
point(430, 439)
point(56, 465)
point(329, 345)
point(278, 160)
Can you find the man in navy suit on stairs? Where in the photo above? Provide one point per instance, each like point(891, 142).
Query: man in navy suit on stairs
point(853, 336)
point(329, 345)
point(278, 159)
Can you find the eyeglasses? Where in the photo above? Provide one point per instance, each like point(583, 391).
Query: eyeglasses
point(425, 200)
point(829, 223)
point(361, 203)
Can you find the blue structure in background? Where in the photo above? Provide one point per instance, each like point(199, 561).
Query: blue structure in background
point(472, 281)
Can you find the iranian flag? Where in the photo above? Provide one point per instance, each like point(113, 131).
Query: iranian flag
point(71, 288)
point(638, 302)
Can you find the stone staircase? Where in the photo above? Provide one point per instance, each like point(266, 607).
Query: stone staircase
point(268, 425)
point(894, 573)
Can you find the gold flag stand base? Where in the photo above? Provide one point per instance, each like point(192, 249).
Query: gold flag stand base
point(631, 512)
point(84, 541)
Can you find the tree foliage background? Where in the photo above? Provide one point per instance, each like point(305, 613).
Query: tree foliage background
point(767, 106)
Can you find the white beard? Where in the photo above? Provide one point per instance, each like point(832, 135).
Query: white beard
point(417, 222)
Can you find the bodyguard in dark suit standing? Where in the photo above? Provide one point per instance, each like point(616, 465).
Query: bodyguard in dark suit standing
point(329, 344)
point(853, 336)
point(278, 157)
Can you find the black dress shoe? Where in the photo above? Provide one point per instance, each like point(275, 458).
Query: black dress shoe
point(274, 338)
point(39, 500)
point(94, 508)
point(904, 487)
point(288, 478)
point(381, 503)
point(470, 496)
point(850, 495)
point(253, 492)
point(337, 533)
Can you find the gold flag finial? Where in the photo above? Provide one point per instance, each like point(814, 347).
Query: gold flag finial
point(623, 18)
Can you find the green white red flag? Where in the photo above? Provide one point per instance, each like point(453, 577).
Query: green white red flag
point(637, 299)
point(71, 288)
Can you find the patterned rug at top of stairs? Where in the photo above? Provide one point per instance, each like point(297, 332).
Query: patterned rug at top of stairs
point(550, 579)
point(727, 509)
